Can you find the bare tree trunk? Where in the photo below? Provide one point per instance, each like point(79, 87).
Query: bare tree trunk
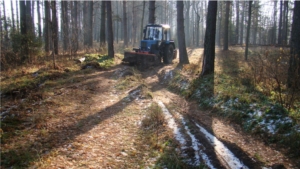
point(75, 26)
point(5, 21)
point(102, 26)
point(242, 24)
point(90, 24)
point(208, 64)
point(65, 24)
point(198, 13)
point(54, 29)
point(280, 25)
point(12, 15)
point(255, 23)
point(23, 26)
point(220, 23)
point(183, 57)
point(142, 23)
point(32, 16)
point(110, 40)
point(151, 12)
point(117, 24)
point(248, 30)
point(17, 12)
point(133, 24)
point(125, 24)
point(273, 36)
point(39, 19)
point(225, 43)
point(294, 67)
point(30, 28)
point(187, 22)
point(1, 29)
point(237, 22)
point(47, 25)
point(285, 21)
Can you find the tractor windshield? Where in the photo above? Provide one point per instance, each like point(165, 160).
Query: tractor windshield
point(153, 33)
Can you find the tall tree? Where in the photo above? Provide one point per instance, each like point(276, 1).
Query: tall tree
point(65, 24)
point(29, 21)
point(1, 35)
point(110, 37)
point(280, 25)
point(39, 19)
point(198, 13)
point(208, 64)
point(17, 13)
point(23, 17)
point(294, 66)
point(23, 27)
point(125, 24)
point(255, 21)
point(134, 26)
point(183, 57)
point(242, 23)
point(225, 43)
point(142, 22)
point(151, 12)
point(237, 22)
point(54, 28)
point(248, 30)
point(102, 25)
point(47, 25)
point(273, 36)
point(187, 21)
point(88, 23)
point(285, 23)
point(5, 21)
point(220, 13)
point(32, 15)
point(74, 26)
point(12, 14)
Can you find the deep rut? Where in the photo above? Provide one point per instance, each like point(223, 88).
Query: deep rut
point(198, 145)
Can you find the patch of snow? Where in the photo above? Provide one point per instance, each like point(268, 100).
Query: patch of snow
point(5, 112)
point(168, 74)
point(198, 93)
point(184, 85)
point(195, 145)
point(179, 137)
point(252, 105)
point(222, 150)
point(258, 113)
point(271, 128)
point(134, 93)
point(172, 124)
point(268, 127)
point(236, 100)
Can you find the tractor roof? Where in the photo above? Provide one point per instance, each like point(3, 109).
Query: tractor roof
point(159, 25)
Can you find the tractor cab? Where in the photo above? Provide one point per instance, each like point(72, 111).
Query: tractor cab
point(154, 36)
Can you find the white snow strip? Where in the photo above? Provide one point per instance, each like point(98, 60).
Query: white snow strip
point(179, 137)
point(171, 123)
point(222, 150)
point(196, 145)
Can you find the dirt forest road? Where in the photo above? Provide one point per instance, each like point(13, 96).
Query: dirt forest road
point(97, 123)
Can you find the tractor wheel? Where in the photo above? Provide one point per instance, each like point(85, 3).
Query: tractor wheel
point(168, 54)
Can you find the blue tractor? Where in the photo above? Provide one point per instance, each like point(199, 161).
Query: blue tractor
point(155, 46)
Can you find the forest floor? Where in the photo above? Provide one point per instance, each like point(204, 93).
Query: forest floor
point(124, 118)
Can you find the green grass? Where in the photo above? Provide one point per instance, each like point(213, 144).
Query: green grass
point(104, 60)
